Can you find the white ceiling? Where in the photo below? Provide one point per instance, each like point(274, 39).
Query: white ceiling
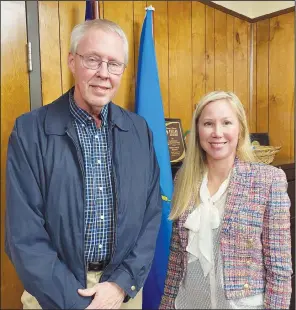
point(253, 9)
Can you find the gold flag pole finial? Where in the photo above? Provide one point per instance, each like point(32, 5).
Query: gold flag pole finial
point(151, 8)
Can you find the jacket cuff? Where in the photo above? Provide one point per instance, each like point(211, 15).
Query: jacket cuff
point(123, 279)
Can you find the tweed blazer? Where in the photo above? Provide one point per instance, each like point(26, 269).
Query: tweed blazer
point(255, 239)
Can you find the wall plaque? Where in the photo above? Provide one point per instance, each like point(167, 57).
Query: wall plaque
point(175, 139)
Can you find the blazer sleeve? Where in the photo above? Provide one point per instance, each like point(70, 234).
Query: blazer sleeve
point(276, 240)
point(27, 242)
point(174, 271)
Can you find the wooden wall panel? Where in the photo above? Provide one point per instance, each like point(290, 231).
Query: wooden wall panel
point(198, 52)
point(180, 64)
point(161, 40)
point(14, 102)
point(122, 13)
point(101, 9)
point(248, 72)
point(139, 15)
point(229, 56)
point(71, 13)
point(281, 84)
point(50, 57)
point(262, 75)
point(210, 49)
point(241, 62)
point(220, 50)
point(253, 85)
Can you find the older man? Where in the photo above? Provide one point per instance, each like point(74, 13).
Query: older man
point(83, 197)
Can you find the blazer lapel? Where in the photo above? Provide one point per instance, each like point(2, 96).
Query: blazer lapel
point(238, 193)
point(183, 232)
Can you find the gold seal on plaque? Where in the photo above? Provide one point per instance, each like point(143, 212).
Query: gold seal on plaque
point(175, 139)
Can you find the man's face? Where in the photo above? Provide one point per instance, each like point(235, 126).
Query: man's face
point(96, 88)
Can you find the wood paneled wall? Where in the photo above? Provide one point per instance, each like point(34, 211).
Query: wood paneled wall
point(198, 49)
point(15, 101)
point(274, 83)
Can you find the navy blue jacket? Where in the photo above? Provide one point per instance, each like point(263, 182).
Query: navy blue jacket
point(45, 204)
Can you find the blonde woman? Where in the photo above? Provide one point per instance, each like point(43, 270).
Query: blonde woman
point(231, 246)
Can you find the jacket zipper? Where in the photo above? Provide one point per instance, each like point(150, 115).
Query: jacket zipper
point(82, 170)
point(115, 203)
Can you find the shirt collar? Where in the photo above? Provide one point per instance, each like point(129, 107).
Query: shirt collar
point(84, 117)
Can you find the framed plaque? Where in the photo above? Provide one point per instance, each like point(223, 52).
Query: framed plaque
point(175, 139)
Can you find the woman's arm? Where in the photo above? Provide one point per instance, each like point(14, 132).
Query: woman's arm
point(276, 239)
point(174, 271)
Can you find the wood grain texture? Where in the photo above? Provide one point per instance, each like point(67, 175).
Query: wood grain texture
point(14, 102)
point(139, 15)
point(121, 12)
point(180, 64)
point(161, 41)
point(229, 56)
point(50, 57)
point(101, 9)
point(253, 90)
point(241, 62)
point(71, 13)
point(210, 49)
point(220, 50)
point(198, 52)
point(262, 75)
point(281, 84)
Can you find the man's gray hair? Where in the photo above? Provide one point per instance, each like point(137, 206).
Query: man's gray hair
point(103, 24)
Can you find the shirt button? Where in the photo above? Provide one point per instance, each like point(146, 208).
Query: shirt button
point(133, 288)
point(246, 286)
point(98, 161)
point(102, 217)
point(100, 246)
point(101, 188)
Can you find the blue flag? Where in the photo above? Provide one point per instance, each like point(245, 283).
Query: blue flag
point(89, 9)
point(149, 105)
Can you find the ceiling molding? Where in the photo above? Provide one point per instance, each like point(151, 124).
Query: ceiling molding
point(244, 17)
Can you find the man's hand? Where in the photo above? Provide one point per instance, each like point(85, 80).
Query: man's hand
point(108, 295)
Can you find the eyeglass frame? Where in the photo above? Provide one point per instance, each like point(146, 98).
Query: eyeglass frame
point(99, 65)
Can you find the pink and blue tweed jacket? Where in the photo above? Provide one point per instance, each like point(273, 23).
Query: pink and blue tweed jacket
point(255, 239)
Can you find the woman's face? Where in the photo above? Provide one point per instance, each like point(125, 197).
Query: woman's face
point(218, 129)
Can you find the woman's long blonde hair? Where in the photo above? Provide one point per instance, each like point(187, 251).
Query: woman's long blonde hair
point(191, 173)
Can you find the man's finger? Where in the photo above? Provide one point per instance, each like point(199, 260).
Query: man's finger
point(87, 292)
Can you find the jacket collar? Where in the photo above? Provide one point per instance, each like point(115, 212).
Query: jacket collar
point(58, 117)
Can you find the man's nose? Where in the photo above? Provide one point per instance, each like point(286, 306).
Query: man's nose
point(102, 71)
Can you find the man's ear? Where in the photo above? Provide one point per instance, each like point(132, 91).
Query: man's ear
point(71, 63)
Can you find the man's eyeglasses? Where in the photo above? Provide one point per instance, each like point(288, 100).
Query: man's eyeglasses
point(94, 63)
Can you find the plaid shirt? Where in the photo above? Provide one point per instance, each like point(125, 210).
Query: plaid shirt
point(99, 217)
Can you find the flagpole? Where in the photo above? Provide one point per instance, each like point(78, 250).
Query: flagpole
point(151, 8)
point(96, 10)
